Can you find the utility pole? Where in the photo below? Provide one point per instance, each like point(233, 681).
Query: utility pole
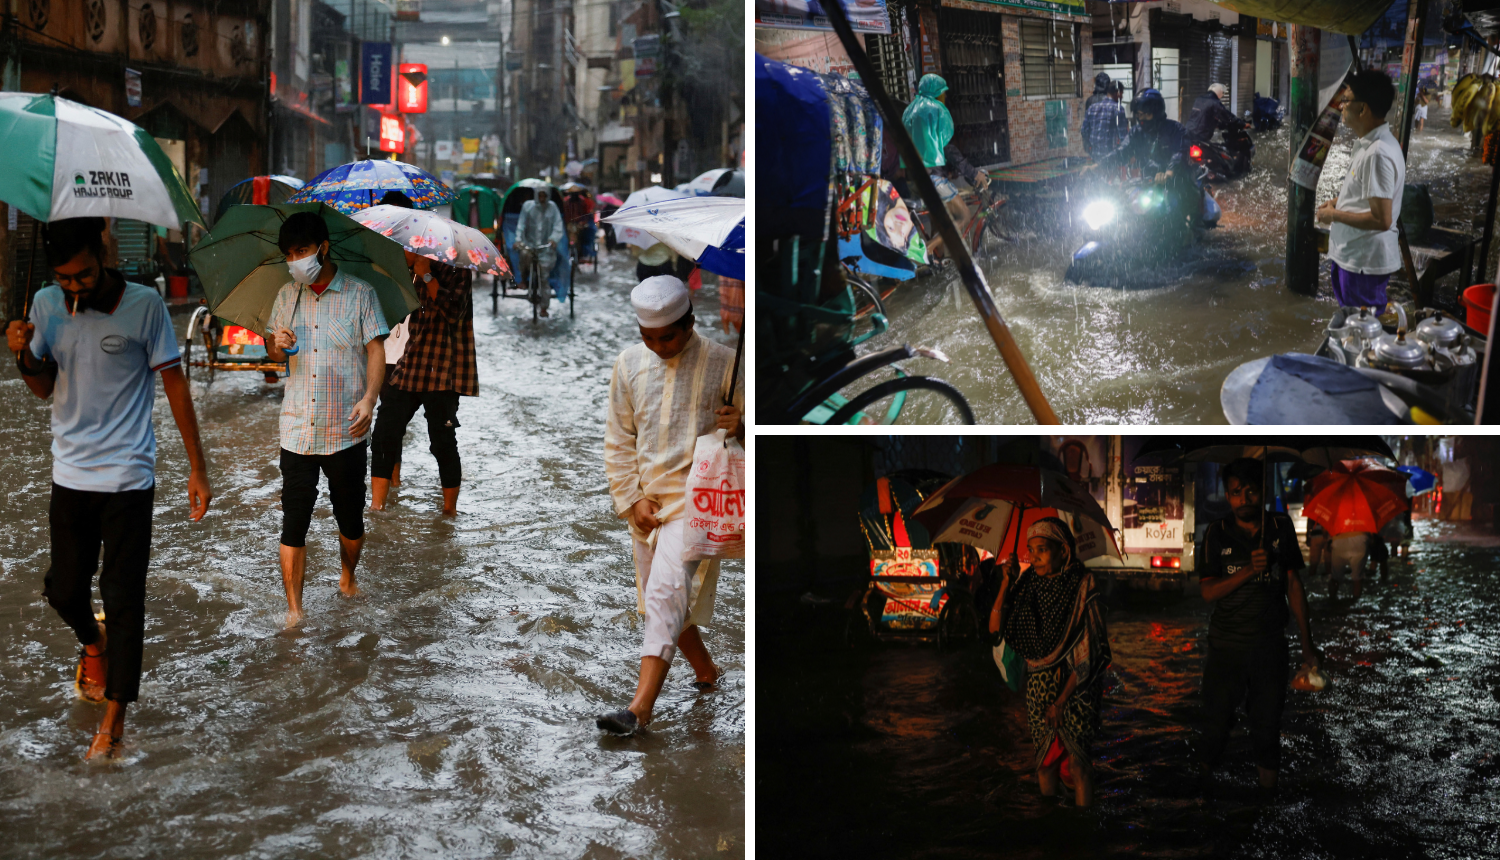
point(1301, 238)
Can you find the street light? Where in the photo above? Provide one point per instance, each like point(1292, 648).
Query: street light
point(445, 41)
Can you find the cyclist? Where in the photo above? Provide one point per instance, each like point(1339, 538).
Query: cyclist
point(931, 128)
point(541, 229)
point(578, 211)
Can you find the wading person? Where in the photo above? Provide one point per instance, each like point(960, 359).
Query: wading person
point(1105, 125)
point(1053, 616)
point(93, 343)
point(665, 392)
point(1250, 572)
point(438, 364)
point(1351, 550)
point(333, 323)
point(1363, 248)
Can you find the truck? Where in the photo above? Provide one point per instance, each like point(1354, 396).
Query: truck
point(1158, 508)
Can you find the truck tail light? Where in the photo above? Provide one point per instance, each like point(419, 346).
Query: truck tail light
point(1172, 561)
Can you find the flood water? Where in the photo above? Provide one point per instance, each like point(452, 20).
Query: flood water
point(1156, 350)
point(445, 712)
point(903, 752)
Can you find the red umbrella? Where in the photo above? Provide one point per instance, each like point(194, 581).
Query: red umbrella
point(979, 508)
point(1355, 496)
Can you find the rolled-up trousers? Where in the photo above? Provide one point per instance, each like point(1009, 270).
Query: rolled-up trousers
point(81, 522)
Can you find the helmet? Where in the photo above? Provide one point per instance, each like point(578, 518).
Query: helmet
point(1150, 100)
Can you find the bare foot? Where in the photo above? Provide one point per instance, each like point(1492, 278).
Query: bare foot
point(293, 618)
point(450, 512)
point(105, 745)
point(348, 587)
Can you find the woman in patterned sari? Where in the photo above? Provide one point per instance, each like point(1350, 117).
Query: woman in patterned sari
point(1056, 622)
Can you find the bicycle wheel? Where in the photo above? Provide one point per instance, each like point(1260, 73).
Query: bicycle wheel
point(533, 292)
point(898, 388)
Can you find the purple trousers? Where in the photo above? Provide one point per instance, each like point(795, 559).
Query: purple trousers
point(1353, 290)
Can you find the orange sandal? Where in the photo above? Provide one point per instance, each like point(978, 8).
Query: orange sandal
point(90, 675)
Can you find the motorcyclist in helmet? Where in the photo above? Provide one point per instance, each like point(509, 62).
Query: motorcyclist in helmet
point(1159, 148)
point(931, 128)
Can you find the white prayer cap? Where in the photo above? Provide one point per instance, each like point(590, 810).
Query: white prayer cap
point(660, 301)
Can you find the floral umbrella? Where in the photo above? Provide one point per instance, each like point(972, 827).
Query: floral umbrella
point(435, 237)
point(360, 184)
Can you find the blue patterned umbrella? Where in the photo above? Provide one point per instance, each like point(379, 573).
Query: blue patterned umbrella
point(360, 184)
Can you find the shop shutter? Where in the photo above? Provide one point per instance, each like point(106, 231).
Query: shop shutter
point(974, 66)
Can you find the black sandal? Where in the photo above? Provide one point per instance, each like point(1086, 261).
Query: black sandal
point(705, 686)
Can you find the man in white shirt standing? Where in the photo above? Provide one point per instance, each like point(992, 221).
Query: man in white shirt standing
point(1363, 248)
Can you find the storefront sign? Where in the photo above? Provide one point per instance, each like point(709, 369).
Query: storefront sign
point(132, 88)
point(647, 49)
point(411, 88)
point(865, 16)
point(375, 73)
point(1057, 7)
point(392, 133)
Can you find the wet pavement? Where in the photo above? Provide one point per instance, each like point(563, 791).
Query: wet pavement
point(445, 712)
point(901, 751)
point(1157, 349)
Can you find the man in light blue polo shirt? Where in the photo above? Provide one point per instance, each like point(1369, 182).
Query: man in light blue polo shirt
point(93, 344)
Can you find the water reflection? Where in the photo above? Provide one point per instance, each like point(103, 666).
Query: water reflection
point(446, 712)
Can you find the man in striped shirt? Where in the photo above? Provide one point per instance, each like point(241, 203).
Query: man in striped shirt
point(330, 326)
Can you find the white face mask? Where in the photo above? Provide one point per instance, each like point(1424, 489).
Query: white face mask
point(305, 270)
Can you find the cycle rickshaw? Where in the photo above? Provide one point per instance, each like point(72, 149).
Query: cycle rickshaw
point(228, 348)
point(510, 216)
point(809, 306)
point(917, 591)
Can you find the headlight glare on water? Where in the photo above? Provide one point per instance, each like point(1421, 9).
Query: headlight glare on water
point(1098, 213)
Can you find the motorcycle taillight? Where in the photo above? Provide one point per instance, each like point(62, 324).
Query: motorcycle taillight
point(1195, 153)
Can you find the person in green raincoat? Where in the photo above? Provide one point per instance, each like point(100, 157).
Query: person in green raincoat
point(931, 128)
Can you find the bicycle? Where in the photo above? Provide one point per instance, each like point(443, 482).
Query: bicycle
point(984, 232)
point(534, 278)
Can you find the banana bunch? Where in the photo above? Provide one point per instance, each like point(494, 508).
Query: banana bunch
point(1475, 104)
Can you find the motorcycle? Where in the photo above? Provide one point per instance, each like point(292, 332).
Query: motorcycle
point(1229, 159)
point(1132, 225)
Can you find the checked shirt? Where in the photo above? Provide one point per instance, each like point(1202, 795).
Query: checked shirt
point(327, 375)
point(439, 354)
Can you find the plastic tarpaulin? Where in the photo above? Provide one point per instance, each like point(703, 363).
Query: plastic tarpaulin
point(1349, 17)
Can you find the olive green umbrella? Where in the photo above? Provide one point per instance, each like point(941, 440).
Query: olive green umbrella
point(242, 269)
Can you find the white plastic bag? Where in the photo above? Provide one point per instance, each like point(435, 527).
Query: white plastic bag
point(715, 499)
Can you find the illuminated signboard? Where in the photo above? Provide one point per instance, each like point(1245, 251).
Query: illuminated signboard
point(411, 88)
point(392, 133)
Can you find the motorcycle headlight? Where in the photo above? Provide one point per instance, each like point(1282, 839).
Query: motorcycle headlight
point(1098, 213)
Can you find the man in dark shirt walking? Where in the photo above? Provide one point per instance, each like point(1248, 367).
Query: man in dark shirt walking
point(1252, 578)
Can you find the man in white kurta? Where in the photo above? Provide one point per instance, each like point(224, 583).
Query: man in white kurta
point(665, 392)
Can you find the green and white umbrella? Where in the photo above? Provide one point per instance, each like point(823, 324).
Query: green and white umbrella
point(67, 160)
point(242, 269)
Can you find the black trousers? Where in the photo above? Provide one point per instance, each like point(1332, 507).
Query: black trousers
point(1256, 676)
point(397, 408)
point(299, 492)
point(81, 522)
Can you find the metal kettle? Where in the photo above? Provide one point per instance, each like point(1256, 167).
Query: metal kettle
point(1446, 337)
point(1395, 352)
point(1360, 331)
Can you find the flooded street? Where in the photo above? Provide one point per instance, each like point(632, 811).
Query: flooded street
point(1158, 349)
point(448, 711)
point(907, 752)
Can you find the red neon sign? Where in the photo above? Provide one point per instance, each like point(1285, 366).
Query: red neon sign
point(392, 133)
point(411, 88)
